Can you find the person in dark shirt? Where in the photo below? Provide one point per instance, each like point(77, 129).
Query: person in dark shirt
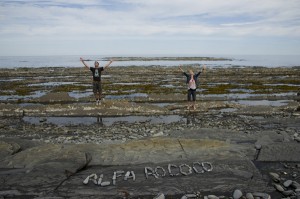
point(191, 81)
point(97, 88)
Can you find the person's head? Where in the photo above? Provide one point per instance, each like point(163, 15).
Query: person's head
point(96, 64)
point(191, 72)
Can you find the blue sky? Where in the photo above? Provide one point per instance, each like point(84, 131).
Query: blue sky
point(137, 27)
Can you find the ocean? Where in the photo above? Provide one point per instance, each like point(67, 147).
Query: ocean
point(73, 61)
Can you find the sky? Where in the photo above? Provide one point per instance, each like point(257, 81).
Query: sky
point(149, 27)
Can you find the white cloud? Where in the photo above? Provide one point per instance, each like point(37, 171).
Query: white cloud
point(94, 19)
point(168, 17)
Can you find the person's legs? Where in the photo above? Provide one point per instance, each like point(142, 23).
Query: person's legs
point(100, 91)
point(189, 98)
point(194, 98)
point(95, 90)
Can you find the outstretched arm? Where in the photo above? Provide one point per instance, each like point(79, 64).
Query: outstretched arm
point(107, 65)
point(181, 69)
point(203, 68)
point(81, 59)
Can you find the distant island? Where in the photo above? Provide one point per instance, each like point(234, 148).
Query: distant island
point(167, 59)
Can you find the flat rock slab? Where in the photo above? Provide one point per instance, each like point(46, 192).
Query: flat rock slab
point(59, 170)
point(224, 178)
point(285, 151)
point(155, 150)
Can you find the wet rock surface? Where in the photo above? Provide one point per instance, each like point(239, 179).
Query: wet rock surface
point(58, 144)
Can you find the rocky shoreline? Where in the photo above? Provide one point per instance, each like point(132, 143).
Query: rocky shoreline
point(53, 136)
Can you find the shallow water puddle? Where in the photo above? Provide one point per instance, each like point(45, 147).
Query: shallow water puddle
point(162, 104)
point(80, 94)
point(106, 121)
point(263, 102)
point(129, 96)
point(245, 95)
point(53, 84)
point(35, 94)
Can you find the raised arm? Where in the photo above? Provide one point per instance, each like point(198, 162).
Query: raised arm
point(81, 59)
point(107, 65)
point(181, 69)
point(203, 68)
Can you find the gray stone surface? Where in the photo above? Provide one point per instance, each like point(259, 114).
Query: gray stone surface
point(280, 152)
point(54, 168)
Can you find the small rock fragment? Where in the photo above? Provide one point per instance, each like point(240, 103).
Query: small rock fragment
point(287, 183)
point(249, 196)
point(237, 194)
point(212, 197)
point(160, 196)
point(278, 187)
point(275, 177)
point(257, 146)
point(262, 195)
point(191, 195)
point(104, 184)
point(86, 181)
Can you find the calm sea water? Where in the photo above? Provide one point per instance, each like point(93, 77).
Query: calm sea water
point(73, 61)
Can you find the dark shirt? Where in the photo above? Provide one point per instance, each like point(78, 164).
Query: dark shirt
point(96, 73)
point(188, 77)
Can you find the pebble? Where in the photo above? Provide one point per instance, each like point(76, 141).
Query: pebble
point(191, 195)
point(257, 146)
point(160, 196)
point(158, 134)
point(237, 194)
point(262, 195)
point(278, 187)
point(212, 197)
point(275, 177)
point(294, 175)
point(249, 196)
point(103, 184)
point(287, 183)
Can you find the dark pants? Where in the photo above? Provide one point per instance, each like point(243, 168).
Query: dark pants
point(97, 88)
point(191, 95)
